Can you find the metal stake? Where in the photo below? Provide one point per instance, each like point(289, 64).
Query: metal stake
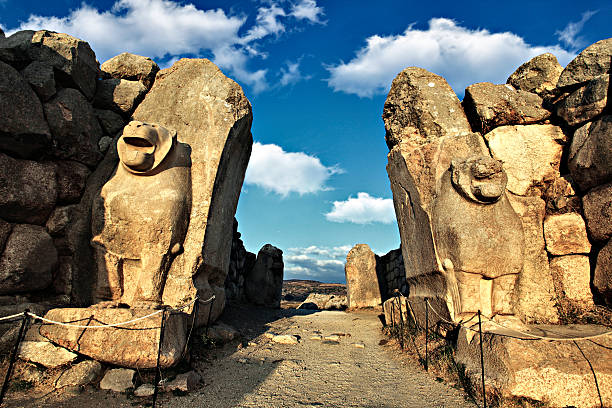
point(9, 371)
point(426, 334)
point(484, 394)
point(399, 304)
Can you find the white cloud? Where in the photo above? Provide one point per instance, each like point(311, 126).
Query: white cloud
point(307, 9)
point(167, 29)
point(461, 55)
point(324, 264)
point(281, 172)
point(569, 35)
point(291, 74)
point(363, 209)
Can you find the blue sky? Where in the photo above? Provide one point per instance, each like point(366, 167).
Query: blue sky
point(317, 73)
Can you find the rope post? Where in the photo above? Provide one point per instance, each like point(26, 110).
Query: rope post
point(9, 371)
point(210, 308)
point(426, 334)
point(157, 370)
point(393, 316)
point(482, 369)
point(399, 304)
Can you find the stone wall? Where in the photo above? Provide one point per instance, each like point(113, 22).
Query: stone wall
point(391, 273)
point(241, 263)
point(503, 200)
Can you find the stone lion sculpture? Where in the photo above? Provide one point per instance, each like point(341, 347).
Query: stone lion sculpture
point(140, 218)
point(479, 237)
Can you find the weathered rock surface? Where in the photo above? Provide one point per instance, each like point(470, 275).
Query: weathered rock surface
point(28, 261)
point(28, 190)
point(592, 62)
point(23, 129)
point(539, 75)
point(319, 301)
point(119, 95)
point(45, 353)
point(264, 283)
point(535, 289)
point(420, 107)
point(531, 154)
point(110, 121)
point(590, 156)
point(211, 114)
point(185, 382)
point(82, 373)
point(285, 339)
point(554, 372)
point(5, 231)
point(75, 129)
point(132, 67)
point(573, 272)
point(71, 180)
point(566, 234)
point(602, 278)
point(597, 205)
point(73, 59)
point(362, 286)
point(145, 390)
point(59, 220)
point(118, 379)
point(40, 76)
point(222, 333)
point(14, 49)
point(586, 102)
point(134, 345)
point(488, 106)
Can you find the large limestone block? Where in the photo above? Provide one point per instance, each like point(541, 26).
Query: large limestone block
point(538, 75)
point(602, 278)
point(566, 234)
point(119, 95)
point(210, 113)
point(28, 261)
point(531, 154)
point(553, 372)
point(23, 129)
point(81, 373)
point(488, 106)
point(586, 102)
point(132, 67)
point(264, 282)
point(74, 127)
point(590, 156)
point(597, 205)
point(535, 290)
point(45, 353)
point(133, 345)
point(118, 380)
point(421, 106)
point(573, 273)
point(73, 59)
point(593, 61)
point(362, 286)
point(28, 190)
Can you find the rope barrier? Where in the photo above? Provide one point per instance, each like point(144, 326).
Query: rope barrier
point(11, 316)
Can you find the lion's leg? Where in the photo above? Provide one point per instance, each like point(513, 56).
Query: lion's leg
point(109, 285)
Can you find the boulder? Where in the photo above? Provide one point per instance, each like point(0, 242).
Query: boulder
point(362, 286)
point(133, 345)
point(14, 49)
point(119, 95)
point(45, 354)
point(118, 380)
point(23, 129)
point(264, 282)
point(573, 275)
point(63, 278)
point(488, 106)
point(602, 278)
point(222, 333)
point(28, 190)
point(81, 373)
point(185, 382)
point(5, 231)
point(145, 390)
point(28, 261)
point(285, 339)
point(132, 67)
point(531, 154)
point(210, 113)
point(535, 291)
point(590, 155)
point(59, 220)
point(319, 301)
point(110, 121)
point(74, 61)
point(566, 234)
point(71, 180)
point(74, 127)
point(586, 102)
point(41, 78)
point(597, 204)
point(421, 107)
point(592, 62)
point(538, 75)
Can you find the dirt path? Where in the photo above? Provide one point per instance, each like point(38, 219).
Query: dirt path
point(319, 373)
point(260, 373)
